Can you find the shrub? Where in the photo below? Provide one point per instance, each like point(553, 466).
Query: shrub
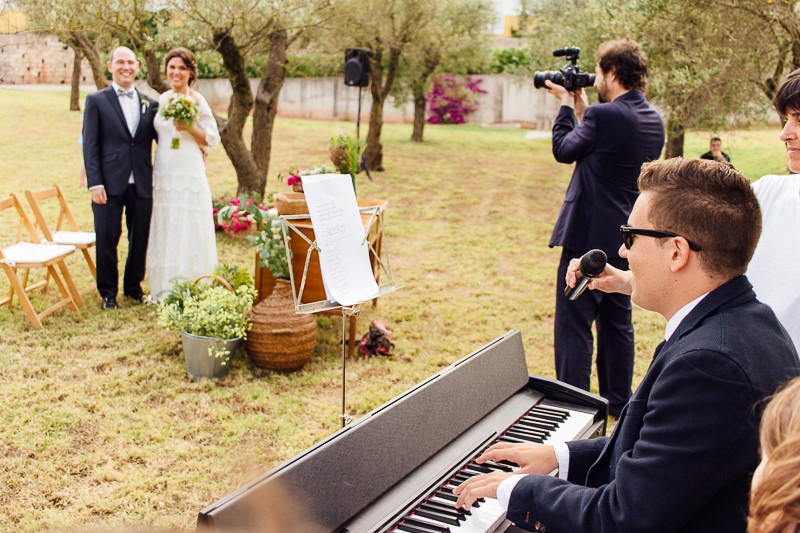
point(451, 100)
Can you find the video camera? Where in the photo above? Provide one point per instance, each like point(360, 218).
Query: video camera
point(570, 77)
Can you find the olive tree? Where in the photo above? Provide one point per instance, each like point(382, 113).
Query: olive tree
point(239, 31)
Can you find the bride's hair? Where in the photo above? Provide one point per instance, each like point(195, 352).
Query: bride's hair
point(775, 501)
point(187, 57)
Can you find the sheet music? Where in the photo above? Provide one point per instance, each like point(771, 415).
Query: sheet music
point(339, 232)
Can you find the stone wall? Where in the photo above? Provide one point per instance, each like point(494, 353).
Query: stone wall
point(30, 58)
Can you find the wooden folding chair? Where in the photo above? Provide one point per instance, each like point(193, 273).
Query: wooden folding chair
point(24, 255)
point(83, 240)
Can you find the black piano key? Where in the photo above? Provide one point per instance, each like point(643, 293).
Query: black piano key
point(497, 466)
point(441, 509)
point(506, 438)
point(533, 417)
point(524, 437)
point(546, 426)
point(412, 529)
point(446, 496)
point(553, 410)
point(421, 523)
point(479, 468)
point(436, 516)
point(447, 504)
point(529, 431)
point(454, 498)
point(508, 463)
point(546, 416)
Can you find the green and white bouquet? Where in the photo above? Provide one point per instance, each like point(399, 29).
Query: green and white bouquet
point(181, 108)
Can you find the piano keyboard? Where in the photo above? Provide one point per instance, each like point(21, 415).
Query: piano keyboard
point(436, 513)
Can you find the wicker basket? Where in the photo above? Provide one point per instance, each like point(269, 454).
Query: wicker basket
point(291, 203)
point(280, 339)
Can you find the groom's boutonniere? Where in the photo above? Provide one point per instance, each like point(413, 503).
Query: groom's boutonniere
point(145, 105)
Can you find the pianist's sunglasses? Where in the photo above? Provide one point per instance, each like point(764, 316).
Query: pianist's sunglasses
point(629, 233)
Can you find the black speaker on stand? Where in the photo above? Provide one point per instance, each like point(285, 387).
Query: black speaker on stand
point(356, 74)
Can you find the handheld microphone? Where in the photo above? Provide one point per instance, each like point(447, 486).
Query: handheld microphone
point(592, 265)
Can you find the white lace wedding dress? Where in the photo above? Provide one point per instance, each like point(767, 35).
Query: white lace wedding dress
point(182, 241)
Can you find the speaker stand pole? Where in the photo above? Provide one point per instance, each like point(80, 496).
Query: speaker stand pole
point(358, 116)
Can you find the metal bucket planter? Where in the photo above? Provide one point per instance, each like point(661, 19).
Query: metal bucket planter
point(201, 357)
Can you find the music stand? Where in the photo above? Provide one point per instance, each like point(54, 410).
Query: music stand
point(375, 221)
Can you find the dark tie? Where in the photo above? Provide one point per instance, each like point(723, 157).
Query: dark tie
point(123, 92)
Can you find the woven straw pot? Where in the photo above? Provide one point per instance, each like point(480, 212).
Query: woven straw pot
point(280, 339)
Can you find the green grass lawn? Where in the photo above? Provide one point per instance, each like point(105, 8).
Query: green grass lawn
point(100, 424)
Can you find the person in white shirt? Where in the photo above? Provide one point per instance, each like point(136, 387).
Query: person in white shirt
point(775, 267)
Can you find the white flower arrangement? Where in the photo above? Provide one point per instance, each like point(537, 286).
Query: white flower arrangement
point(210, 309)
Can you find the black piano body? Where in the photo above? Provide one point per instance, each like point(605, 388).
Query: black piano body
point(367, 476)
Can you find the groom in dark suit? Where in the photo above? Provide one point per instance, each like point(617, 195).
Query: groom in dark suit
point(685, 447)
point(118, 136)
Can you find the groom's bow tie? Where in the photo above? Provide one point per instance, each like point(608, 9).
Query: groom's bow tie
point(129, 94)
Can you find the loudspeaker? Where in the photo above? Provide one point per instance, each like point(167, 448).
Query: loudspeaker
point(356, 67)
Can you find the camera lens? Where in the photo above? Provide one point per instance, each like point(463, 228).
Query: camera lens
point(552, 75)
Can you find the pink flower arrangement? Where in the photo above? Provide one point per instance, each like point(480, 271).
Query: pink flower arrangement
point(294, 180)
point(233, 217)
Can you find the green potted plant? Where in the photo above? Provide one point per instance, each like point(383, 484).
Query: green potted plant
point(210, 313)
point(280, 339)
point(345, 153)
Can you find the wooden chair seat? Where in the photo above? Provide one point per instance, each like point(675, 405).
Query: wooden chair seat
point(76, 238)
point(26, 255)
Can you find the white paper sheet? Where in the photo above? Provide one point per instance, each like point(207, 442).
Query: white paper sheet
point(339, 232)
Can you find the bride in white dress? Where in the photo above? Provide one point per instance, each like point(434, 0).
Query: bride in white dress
point(182, 241)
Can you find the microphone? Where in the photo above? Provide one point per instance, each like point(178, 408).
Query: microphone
point(592, 265)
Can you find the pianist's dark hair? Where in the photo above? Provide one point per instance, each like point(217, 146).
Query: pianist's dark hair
point(707, 202)
point(775, 501)
point(787, 96)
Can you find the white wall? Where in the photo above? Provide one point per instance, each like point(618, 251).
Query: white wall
point(510, 99)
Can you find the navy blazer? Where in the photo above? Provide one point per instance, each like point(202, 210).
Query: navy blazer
point(686, 445)
point(110, 152)
point(610, 145)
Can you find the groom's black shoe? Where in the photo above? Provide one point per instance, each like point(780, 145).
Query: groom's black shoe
point(138, 298)
point(109, 303)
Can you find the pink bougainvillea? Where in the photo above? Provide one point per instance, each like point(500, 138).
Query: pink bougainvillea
point(451, 100)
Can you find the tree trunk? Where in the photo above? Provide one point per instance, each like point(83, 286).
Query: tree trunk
point(419, 87)
point(75, 82)
point(373, 153)
point(266, 107)
point(379, 88)
point(91, 54)
point(419, 117)
point(154, 79)
point(231, 130)
point(675, 135)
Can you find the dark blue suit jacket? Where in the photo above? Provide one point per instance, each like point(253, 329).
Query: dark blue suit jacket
point(686, 445)
point(110, 152)
point(610, 145)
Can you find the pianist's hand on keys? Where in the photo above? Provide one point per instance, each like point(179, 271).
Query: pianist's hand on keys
point(532, 459)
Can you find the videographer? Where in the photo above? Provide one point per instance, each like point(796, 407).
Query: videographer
point(609, 141)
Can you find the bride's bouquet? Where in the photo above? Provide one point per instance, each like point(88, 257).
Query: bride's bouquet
point(180, 107)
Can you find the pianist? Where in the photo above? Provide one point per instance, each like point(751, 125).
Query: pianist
point(685, 447)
